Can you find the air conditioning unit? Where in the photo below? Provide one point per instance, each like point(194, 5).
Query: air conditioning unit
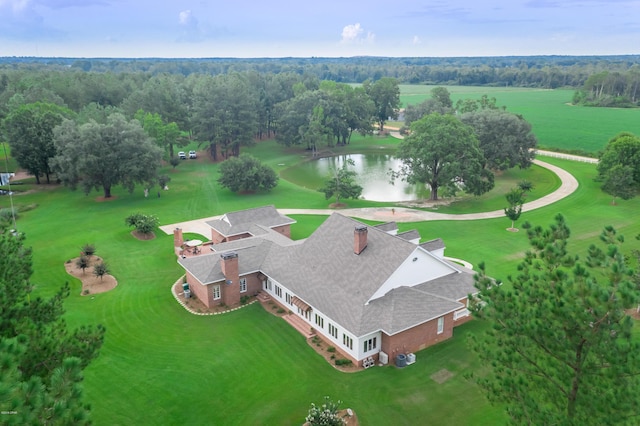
point(383, 358)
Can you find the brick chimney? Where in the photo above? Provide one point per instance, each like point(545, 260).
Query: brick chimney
point(231, 272)
point(177, 237)
point(359, 239)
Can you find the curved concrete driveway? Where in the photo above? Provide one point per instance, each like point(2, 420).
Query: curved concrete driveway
point(401, 214)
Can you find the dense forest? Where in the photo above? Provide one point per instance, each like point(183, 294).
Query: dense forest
point(223, 104)
point(523, 71)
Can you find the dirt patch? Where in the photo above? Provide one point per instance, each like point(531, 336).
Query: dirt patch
point(633, 313)
point(441, 376)
point(104, 199)
point(143, 237)
point(330, 355)
point(430, 204)
point(90, 283)
point(337, 205)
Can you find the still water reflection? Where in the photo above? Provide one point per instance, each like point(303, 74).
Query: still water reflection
point(372, 174)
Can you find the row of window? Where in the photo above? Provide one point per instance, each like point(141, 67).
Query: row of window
point(333, 331)
point(320, 321)
point(347, 341)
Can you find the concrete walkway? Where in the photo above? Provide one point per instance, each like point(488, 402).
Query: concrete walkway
point(402, 214)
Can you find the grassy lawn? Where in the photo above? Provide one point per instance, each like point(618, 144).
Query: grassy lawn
point(556, 123)
point(161, 365)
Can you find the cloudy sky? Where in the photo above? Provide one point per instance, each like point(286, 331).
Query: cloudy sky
point(277, 28)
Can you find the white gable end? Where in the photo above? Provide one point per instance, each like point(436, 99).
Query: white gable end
point(438, 252)
point(419, 267)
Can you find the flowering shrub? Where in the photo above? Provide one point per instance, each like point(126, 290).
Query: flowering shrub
point(325, 414)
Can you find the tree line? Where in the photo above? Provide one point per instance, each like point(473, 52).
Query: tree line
point(523, 71)
point(122, 130)
point(610, 89)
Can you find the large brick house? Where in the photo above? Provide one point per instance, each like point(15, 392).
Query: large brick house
point(366, 289)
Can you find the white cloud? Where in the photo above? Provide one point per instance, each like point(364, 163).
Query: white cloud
point(416, 40)
point(354, 33)
point(186, 18)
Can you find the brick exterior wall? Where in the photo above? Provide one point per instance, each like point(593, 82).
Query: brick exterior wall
point(230, 269)
point(202, 292)
point(238, 237)
point(417, 338)
point(359, 239)
point(178, 240)
point(254, 284)
point(284, 230)
point(205, 292)
point(216, 237)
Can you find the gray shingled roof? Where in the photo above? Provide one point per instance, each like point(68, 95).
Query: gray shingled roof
point(403, 308)
point(327, 274)
point(409, 235)
point(324, 271)
point(206, 267)
point(387, 227)
point(433, 244)
point(243, 221)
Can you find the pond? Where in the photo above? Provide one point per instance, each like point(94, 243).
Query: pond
point(372, 174)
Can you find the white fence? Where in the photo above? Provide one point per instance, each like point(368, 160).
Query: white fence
point(567, 156)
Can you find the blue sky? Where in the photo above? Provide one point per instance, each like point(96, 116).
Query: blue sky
point(277, 28)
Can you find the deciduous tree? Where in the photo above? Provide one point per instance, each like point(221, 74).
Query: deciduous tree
point(29, 130)
point(442, 152)
point(619, 166)
point(341, 183)
point(505, 139)
point(385, 94)
point(560, 348)
point(246, 173)
point(97, 155)
point(166, 135)
point(618, 182)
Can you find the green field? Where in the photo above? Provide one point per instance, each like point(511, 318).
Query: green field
point(555, 122)
point(162, 365)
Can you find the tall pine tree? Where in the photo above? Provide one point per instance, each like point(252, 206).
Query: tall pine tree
point(560, 348)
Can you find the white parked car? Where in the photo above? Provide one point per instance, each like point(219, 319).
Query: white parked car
point(192, 154)
point(182, 156)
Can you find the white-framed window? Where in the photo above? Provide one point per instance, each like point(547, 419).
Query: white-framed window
point(347, 341)
point(243, 285)
point(287, 296)
point(319, 321)
point(333, 331)
point(370, 344)
point(216, 292)
point(269, 285)
point(440, 325)
point(278, 291)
